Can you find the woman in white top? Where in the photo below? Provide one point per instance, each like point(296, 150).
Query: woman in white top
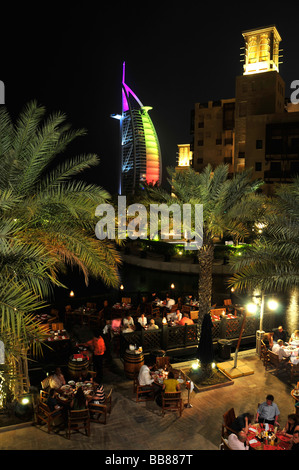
point(142, 320)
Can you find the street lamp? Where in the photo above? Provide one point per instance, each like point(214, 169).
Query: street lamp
point(252, 308)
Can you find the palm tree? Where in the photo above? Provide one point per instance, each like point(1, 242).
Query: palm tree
point(44, 193)
point(272, 262)
point(228, 206)
point(47, 221)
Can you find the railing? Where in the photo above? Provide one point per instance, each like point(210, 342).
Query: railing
point(180, 337)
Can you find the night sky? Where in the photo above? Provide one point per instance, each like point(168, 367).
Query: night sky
point(70, 59)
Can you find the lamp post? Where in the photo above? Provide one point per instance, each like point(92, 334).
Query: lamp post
point(252, 308)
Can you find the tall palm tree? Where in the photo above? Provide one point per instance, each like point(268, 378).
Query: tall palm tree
point(272, 262)
point(47, 220)
point(229, 204)
point(46, 194)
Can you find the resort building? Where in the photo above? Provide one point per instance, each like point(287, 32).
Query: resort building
point(140, 150)
point(256, 129)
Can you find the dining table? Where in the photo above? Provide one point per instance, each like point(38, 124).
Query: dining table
point(263, 437)
point(67, 392)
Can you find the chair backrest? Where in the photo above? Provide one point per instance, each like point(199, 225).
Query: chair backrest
point(45, 383)
point(217, 311)
point(186, 309)
point(162, 361)
point(68, 308)
point(174, 308)
point(155, 311)
point(194, 314)
point(229, 416)
point(274, 358)
point(44, 408)
point(43, 396)
point(76, 416)
point(108, 398)
point(172, 402)
point(126, 300)
point(227, 302)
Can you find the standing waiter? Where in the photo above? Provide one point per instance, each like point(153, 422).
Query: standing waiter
point(97, 345)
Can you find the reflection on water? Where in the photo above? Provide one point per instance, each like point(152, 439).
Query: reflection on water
point(292, 311)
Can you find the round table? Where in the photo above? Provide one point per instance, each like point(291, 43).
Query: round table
point(282, 442)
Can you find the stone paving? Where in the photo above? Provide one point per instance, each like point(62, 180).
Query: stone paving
point(140, 426)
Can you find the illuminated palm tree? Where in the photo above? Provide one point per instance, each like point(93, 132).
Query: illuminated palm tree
point(47, 220)
point(229, 204)
point(272, 262)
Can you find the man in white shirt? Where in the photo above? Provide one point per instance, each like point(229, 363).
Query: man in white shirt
point(144, 377)
point(238, 442)
point(278, 349)
point(169, 303)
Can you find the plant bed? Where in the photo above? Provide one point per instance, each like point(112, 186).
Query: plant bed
point(202, 382)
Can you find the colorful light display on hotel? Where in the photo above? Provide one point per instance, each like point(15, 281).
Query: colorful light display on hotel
point(140, 149)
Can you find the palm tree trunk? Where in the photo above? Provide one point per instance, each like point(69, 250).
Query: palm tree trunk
point(205, 260)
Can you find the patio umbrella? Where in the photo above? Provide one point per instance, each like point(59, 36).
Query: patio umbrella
point(205, 351)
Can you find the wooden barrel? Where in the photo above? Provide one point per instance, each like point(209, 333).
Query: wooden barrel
point(132, 363)
point(75, 368)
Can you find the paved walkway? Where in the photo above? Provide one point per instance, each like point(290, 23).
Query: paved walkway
point(140, 426)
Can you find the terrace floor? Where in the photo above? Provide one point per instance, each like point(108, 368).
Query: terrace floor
point(140, 426)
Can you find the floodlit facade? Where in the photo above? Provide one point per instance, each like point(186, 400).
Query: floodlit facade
point(256, 129)
point(141, 160)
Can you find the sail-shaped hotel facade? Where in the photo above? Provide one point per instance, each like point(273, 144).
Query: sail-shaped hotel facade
point(140, 150)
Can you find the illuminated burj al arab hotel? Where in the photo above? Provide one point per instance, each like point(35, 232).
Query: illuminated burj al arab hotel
point(140, 150)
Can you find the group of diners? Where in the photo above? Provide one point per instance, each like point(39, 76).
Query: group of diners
point(130, 324)
point(77, 400)
point(241, 435)
point(286, 348)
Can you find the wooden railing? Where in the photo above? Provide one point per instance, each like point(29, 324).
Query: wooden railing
point(180, 337)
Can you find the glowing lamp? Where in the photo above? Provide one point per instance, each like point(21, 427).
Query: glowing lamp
point(272, 304)
point(72, 293)
point(251, 308)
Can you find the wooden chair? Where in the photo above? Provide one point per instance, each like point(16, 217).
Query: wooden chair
point(141, 393)
point(155, 312)
point(100, 409)
point(227, 302)
point(174, 308)
point(44, 414)
point(45, 383)
point(294, 370)
point(126, 300)
point(43, 396)
point(264, 354)
point(163, 361)
point(228, 418)
point(172, 402)
point(273, 360)
point(78, 419)
point(186, 309)
point(194, 314)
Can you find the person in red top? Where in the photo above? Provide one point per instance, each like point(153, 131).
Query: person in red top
point(185, 320)
point(97, 345)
